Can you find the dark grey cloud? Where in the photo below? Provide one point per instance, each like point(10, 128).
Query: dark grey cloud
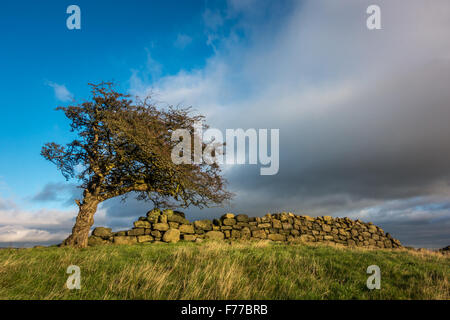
point(66, 193)
point(120, 213)
point(419, 221)
point(363, 115)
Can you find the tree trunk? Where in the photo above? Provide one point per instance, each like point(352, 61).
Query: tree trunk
point(84, 222)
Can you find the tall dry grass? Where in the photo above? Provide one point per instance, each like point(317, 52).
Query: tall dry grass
point(218, 270)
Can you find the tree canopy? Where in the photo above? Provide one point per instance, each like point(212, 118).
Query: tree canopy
point(125, 146)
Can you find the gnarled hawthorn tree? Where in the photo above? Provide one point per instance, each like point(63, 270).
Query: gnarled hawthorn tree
point(125, 146)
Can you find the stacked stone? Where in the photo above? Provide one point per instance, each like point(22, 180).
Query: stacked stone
point(172, 226)
point(445, 250)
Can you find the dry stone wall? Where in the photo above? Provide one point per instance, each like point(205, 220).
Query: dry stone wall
point(172, 226)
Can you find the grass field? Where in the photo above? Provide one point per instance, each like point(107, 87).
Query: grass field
point(211, 270)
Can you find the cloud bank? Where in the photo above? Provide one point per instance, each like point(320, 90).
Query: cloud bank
point(363, 115)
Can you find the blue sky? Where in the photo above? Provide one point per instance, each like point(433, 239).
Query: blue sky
point(116, 38)
point(152, 39)
point(44, 65)
point(363, 115)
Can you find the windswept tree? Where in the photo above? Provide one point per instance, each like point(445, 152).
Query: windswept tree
point(125, 146)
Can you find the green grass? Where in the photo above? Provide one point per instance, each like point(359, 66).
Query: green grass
point(212, 270)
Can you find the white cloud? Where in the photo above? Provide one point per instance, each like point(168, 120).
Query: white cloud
point(429, 208)
point(182, 41)
point(212, 19)
point(21, 225)
point(18, 225)
point(60, 91)
point(11, 214)
point(17, 234)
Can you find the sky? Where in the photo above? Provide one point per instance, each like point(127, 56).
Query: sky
point(363, 114)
